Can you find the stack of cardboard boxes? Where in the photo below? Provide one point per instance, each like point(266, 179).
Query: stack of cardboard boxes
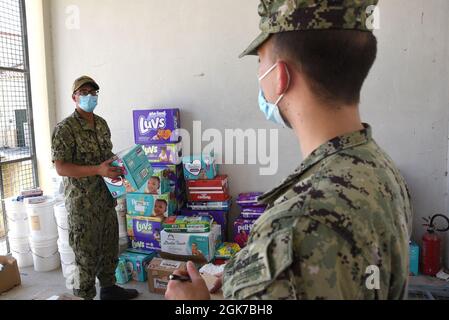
point(207, 191)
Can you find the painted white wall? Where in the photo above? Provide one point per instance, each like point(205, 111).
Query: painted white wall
point(41, 76)
point(183, 54)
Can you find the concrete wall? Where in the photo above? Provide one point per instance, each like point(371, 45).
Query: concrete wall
point(183, 54)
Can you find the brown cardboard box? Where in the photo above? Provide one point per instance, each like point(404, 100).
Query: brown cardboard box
point(9, 275)
point(158, 272)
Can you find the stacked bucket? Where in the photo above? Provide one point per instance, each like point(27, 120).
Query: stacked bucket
point(66, 252)
point(43, 234)
point(18, 232)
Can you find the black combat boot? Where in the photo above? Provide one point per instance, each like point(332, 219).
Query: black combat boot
point(118, 293)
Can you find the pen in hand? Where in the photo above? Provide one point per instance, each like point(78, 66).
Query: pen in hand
point(174, 277)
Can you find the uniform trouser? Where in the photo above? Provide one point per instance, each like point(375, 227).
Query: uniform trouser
point(94, 238)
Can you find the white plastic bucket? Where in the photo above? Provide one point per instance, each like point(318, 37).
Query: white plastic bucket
point(41, 220)
point(45, 255)
point(17, 218)
point(21, 251)
point(18, 226)
point(62, 222)
point(14, 206)
point(67, 258)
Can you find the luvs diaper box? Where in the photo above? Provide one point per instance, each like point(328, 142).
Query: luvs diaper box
point(149, 205)
point(200, 167)
point(137, 263)
point(197, 247)
point(137, 171)
point(158, 272)
point(167, 153)
point(144, 232)
point(156, 126)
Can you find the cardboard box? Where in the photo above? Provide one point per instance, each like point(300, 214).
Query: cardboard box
point(137, 171)
point(9, 274)
point(156, 126)
point(200, 167)
point(167, 153)
point(137, 263)
point(145, 232)
point(198, 247)
point(158, 272)
point(149, 205)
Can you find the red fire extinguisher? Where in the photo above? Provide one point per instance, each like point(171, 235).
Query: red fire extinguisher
point(431, 246)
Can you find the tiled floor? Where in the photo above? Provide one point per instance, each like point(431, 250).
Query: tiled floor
point(42, 286)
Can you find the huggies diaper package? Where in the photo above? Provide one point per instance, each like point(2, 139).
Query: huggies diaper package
point(156, 126)
point(198, 247)
point(149, 205)
point(145, 232)
point(137, 171)
point(164, 154)
point(200, 167)
point(137, 263)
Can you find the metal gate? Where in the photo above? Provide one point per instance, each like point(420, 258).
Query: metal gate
point(18, 169)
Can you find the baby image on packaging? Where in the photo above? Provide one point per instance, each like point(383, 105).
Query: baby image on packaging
point(153, 185)
point(149, 205)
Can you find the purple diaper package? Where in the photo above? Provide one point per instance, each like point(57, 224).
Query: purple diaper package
point(156, 126)
point(219, 216)
point(252, 212)
point(249, 199)
point(242, 230)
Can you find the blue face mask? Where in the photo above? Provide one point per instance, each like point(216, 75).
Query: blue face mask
point(270, 110)
point(88, 103)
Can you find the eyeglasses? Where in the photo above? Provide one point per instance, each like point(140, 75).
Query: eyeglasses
point(85, 93)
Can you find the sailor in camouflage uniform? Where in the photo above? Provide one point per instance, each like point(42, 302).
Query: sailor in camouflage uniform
point(339, 226)
point(82, 153)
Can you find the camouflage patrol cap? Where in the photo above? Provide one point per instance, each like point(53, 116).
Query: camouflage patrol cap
point(83, 81)
point(290, 15)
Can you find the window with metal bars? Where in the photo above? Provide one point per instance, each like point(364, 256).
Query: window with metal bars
point(17, 153)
